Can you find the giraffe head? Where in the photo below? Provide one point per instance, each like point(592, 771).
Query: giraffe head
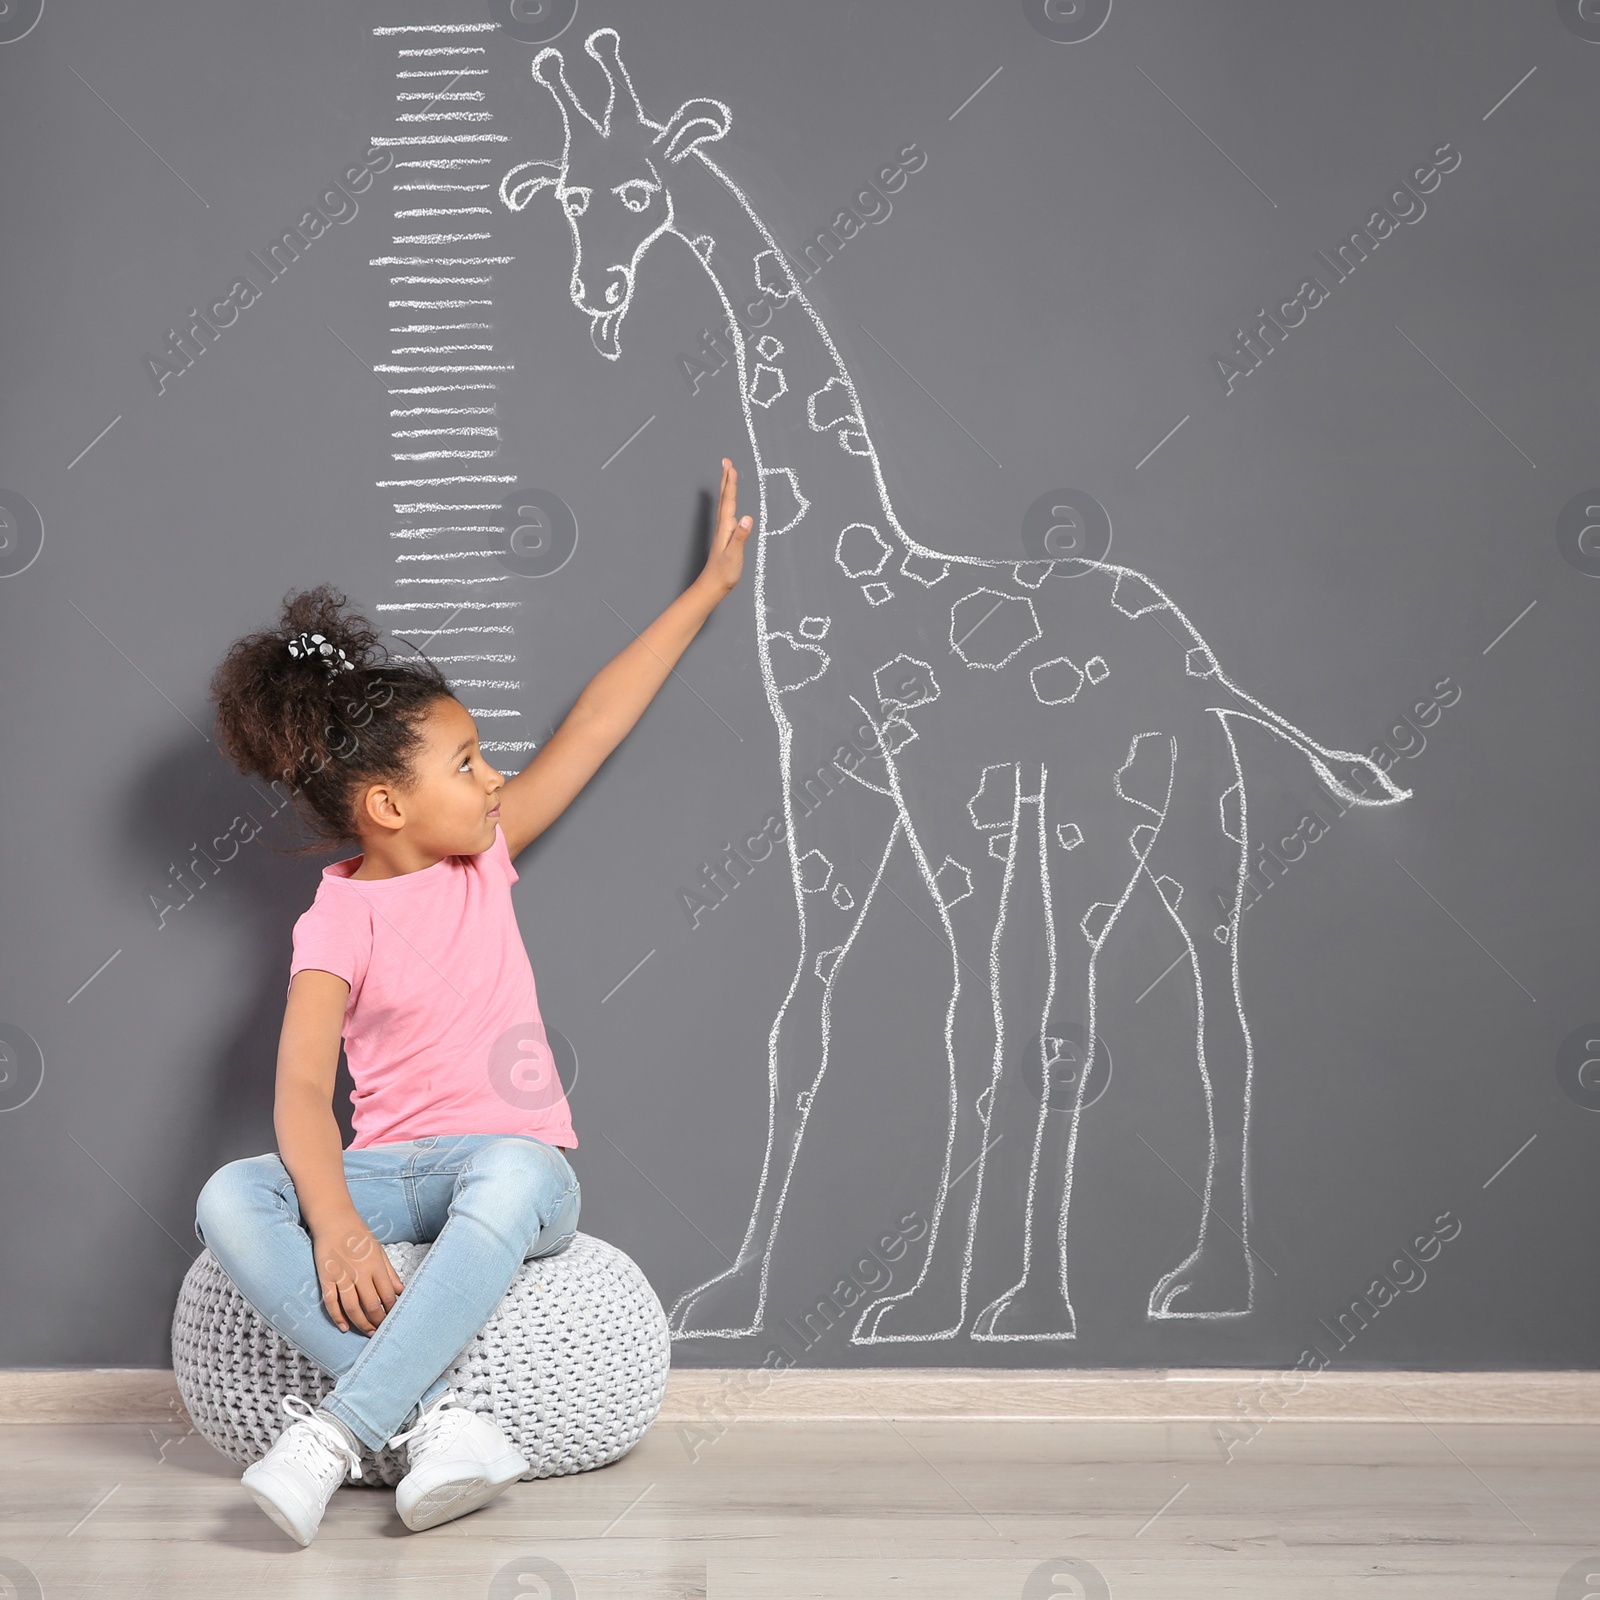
point(611, 181)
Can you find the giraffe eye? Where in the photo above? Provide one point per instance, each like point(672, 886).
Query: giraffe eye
point(576, 202)
point(635, 194)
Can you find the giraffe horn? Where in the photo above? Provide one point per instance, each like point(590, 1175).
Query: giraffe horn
point(549, 61)
point(605, 45)
point(605, 67)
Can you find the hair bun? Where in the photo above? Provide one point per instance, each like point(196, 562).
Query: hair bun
point(317, 646)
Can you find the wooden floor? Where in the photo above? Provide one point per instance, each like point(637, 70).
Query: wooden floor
point(849, 1510)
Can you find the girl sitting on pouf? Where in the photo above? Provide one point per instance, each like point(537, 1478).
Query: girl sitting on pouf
point(411, 953)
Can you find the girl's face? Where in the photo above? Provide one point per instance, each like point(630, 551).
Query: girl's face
point(453, 806)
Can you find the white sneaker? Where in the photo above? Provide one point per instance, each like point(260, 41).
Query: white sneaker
point(294, 1481)
point(457, 1461)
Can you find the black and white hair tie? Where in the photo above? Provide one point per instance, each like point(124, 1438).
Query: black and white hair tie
point(315, 645)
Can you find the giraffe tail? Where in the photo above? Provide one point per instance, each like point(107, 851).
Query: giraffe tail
point(1352, 778)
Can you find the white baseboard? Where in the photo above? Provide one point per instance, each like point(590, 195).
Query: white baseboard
point(814, 1394)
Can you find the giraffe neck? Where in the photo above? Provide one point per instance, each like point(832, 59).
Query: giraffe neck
point(828, 534)
point(759, 287)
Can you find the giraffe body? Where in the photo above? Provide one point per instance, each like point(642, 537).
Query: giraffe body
point(1093, 759)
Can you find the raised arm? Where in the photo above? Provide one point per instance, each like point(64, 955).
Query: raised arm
point(357, 1280)
point(614, 699)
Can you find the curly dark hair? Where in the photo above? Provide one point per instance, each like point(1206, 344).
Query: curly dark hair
point(326, 734)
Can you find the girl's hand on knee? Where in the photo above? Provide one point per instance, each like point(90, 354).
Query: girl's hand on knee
point(359, 1283)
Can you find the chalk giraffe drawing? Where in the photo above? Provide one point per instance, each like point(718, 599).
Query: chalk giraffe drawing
point(1091, 742)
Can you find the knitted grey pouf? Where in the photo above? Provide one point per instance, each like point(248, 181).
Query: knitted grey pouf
point(572, 1365)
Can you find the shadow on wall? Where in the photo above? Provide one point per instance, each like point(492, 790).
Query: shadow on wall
point(205, 852)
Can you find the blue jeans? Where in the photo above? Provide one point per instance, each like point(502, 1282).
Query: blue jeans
point(487, 1201)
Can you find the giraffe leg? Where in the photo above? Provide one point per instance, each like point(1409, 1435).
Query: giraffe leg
point(1038, 1306)
point(835, 891)
point(1204, 842)
point(933, 1306)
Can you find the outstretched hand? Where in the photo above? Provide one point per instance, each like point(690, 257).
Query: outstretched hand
point(615, 697)
point(726, 559)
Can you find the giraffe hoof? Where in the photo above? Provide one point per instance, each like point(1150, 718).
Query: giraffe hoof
point(1214, 1285)
point(1026, 1314)
point(912, 1315)
point(726, 1306)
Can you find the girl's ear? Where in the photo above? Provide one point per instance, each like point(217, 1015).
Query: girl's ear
point(376, 804)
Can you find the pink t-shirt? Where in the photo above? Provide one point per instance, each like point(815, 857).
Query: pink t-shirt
point(442, 1027)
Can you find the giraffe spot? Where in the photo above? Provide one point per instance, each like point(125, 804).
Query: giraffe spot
point(784, 505)
point(1230, 809)
point(842, 897)
point(877, 593)
point(767, 384)
point(1132, 595)
point(1171, 892)
point(1145, 778)
point(1056, 683)
point(1220, 933)
point(855, 441)
point(905, 682)
point(769, 347)
point(925, 569)
point(896, 733)
point(1097, 920)
point(1000, 845)
point(794, 664)
point(827, 960)
point(772, 278)
point(1142, 837)
point(815, 870)
point(1030, 574)
point(1199, 662)
point(995, 805)
point(815, 627)
point(1069, 835)
point(1096, 670)
point(892, 735)
point(861, 550)
point(988, 628)
point(952, 882)
point(831, 406)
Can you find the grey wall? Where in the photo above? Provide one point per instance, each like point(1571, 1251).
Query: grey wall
point(1360, 519)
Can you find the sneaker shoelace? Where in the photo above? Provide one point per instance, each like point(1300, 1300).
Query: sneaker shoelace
point(301, 1445)
point(436, 1426)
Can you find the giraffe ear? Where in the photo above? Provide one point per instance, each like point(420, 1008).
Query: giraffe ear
point(534, 176)
point(694, 122)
